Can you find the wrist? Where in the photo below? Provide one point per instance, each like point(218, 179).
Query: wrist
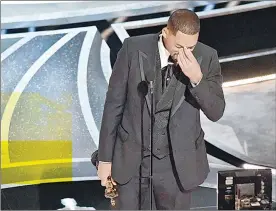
point(196, 79)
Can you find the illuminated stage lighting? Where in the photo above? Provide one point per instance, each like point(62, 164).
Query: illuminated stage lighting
point(249, 81)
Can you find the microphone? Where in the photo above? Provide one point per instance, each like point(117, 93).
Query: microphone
point(143, 88)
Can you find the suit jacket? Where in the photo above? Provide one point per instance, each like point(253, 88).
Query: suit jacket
point(120, 135)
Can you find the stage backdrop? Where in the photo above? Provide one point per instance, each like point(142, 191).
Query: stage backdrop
point(53, 87)
point(54, 82)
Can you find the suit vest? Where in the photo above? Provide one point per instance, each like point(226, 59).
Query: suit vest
point(161, 118)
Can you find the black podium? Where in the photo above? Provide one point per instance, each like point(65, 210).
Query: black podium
point(245, 189)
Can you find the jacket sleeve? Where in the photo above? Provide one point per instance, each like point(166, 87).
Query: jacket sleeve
point(114, 105)
point(208, 93)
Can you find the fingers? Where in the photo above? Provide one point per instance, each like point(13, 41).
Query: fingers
point(189, 54)
point(102, 177)
point(113, 182)
point(105, 178)
point(103, 182)
point(188, 64)
point(182, 59)
point(104, 171)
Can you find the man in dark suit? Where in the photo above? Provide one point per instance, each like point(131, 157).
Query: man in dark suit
point(187, 78)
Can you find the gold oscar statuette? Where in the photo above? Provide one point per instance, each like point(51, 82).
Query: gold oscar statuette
point(111, 191)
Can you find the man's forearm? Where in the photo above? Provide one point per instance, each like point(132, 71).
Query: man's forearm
point(114, 105)
point(209, 94)
point(211, 103)
point(111, 119)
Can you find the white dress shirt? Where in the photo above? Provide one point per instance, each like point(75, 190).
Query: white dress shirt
point(164, 54)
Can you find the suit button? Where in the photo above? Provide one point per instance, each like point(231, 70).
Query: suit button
point(158, 149)
point(163, 133)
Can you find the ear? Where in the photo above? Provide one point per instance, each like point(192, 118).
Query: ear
point(165, 32)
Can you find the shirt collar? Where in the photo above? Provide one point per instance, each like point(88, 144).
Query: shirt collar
point(164, 54)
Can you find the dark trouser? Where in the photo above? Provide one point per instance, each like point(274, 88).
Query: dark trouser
point(166, 193)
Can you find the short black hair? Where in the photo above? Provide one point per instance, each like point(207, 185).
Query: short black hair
point(185, 21)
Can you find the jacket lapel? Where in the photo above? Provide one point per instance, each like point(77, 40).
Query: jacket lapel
point(179, 95)
point(147, 64)
point(144, 68)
